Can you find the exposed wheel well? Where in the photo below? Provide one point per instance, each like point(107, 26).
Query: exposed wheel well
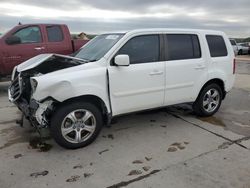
point(219, 82)
point(98, 102)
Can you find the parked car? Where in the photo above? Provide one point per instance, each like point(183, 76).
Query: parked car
point(122, 73)
point(235, 46)
point(246, 46)
point(243, 48)
point(26, 41)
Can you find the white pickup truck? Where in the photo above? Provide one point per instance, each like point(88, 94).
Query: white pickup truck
point(121, 73)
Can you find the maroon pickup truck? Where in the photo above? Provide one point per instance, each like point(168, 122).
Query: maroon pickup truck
point(26, 41)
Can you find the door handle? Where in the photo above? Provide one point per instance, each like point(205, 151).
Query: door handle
point(39, 48)
point(156, 73)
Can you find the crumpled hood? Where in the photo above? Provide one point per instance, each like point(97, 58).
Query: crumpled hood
point(39, 59)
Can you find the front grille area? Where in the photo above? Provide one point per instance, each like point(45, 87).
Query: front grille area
point(15, 89)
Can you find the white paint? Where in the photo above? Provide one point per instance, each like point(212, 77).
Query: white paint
point(138, 86)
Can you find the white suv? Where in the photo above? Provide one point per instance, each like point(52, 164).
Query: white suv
point(121, 73)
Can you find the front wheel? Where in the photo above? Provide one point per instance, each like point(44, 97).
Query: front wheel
point(208, 101)
point(76, 124)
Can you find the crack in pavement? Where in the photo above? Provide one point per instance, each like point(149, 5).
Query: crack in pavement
point(229, 142)
point(237, 142)
point(125, 183)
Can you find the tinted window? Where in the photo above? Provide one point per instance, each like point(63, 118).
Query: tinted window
point(29, 35)
point(142, 49)
point(54, 33)
point(183, 46)
point(216, 45)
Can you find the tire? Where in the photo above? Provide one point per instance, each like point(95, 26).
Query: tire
point(211, 103)
point(75, 125)
point(240, 52)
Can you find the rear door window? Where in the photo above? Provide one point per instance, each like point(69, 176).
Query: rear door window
point(142, 49)
point(216, 46)
point(182, 46)
point(54, 33)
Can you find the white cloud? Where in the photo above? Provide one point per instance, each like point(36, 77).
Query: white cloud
point(129, 14)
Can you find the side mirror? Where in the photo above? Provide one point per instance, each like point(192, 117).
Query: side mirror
point(13, 40)
point(122, 60)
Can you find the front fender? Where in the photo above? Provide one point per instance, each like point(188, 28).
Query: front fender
point(72, 85)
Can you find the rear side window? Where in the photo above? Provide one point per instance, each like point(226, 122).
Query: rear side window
point(54, 33)
point(183, 46)
point(142, 49)
point(216, 46)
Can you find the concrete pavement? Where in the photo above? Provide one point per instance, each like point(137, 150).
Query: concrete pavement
point(170, 147)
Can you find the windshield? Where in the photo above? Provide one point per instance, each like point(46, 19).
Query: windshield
point(98, 47)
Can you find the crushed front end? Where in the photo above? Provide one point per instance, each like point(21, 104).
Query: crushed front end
point(24, 86)
point(20, 93)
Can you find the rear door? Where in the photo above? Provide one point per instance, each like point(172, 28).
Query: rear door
point(32, 44)
point(186, 68)
point(141, 85)
point(57, 40)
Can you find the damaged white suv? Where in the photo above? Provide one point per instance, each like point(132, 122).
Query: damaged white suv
point(120, 73)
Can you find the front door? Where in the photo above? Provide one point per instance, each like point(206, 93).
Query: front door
point(141, 85)
point(31, 45)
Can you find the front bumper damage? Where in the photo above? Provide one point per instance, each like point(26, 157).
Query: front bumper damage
point(36, 112)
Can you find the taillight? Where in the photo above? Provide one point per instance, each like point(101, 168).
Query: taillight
point(234, 66)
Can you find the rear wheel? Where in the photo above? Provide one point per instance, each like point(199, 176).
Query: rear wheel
point(208, 101)
point(76, 124)
point(240, 52)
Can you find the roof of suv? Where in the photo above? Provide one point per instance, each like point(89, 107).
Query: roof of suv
point(159, 30)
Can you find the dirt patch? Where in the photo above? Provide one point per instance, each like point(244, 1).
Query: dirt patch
point(78, 167)
point(7, 122)
point(177, 145)
point(14, 141)
point(146, 168)
point(73, 179)
point(87, 175)
point(225, 145)
point(213, 120)
point(172, 149)
point(110, 136)
point(39, 144)
point(148, 158)
point(18, 156)
point(36, 174)
point(134, 172)
point(137, 162)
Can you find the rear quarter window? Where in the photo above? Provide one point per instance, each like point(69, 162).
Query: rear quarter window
point(217, 46)
point(54, 33)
